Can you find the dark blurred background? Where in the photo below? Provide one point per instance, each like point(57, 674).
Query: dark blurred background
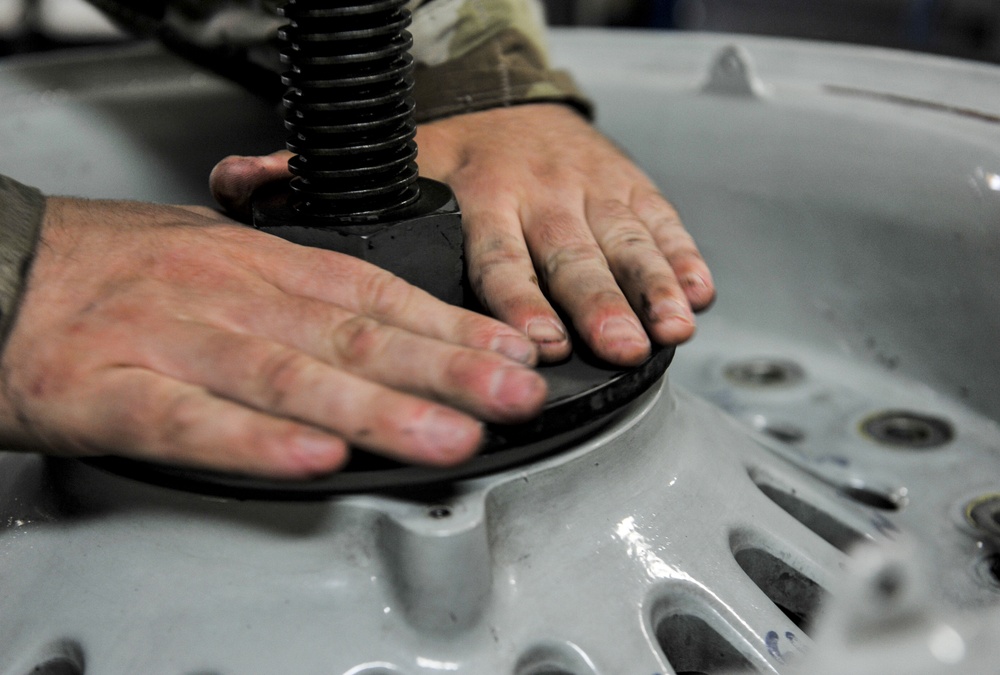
point(36, 25)
point(964, 28)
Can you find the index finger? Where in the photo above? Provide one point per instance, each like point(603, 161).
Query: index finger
point(368, 290)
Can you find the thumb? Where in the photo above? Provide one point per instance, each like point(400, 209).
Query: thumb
point(234, 179)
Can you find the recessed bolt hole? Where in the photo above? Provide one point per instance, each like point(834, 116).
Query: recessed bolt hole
point(889, 583)
point(439, 512)
point(984, 513)
point(873, 498)
point(904, 429)
point(785, 434)
point(994, 567)
point(60, 665)
point(64, 657)
point(553, 659)
point(987, 569)
point(797, 596)
point(692, 646)
point(780, 431)
point(765, 373)
point(816, 519)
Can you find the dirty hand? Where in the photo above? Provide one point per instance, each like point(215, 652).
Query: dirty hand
point(174, 334)
point(548, 202)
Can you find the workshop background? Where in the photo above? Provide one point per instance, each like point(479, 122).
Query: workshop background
point(964, 28)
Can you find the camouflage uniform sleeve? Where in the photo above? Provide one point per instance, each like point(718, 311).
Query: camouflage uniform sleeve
point(21, 211)
point(477, 54)
point(470, 54)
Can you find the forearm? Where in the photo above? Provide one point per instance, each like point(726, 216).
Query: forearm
point(479, 54)
point(470, 54)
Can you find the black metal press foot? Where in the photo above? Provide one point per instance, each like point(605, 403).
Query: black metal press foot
point(355, 187)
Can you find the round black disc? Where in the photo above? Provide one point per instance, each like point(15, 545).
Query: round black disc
point(585, 394)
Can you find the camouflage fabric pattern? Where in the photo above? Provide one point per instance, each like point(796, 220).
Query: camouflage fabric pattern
point(478, 54)
point(21, 210)
point(470, 54)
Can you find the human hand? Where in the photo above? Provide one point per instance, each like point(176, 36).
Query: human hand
point(541, 189)
point(548, 202)
point(174, 334)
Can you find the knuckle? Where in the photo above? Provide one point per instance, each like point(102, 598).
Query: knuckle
point(680, 248)
point(652, 206)
point(462, 369)
point(613, 209)
point(385, 294)
point(178, 423)
point(283, 374)
point(566, 258)
point(559, 227)
point(359, 340)
point(477, 279)
point(627, 236)
point(607, 300)
point(498, 254)
point(481, 332)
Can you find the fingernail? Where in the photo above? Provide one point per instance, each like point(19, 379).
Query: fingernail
point(545, 330)
point(514, 347)
point(516, 389)
point(692, 281)
point(671, 310)
point(620, 331)
point(318, 449)
point(446, 433)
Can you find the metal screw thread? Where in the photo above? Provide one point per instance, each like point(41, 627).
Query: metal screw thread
point(348, 106)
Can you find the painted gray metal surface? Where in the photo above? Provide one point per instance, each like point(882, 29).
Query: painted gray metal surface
point(849, 203)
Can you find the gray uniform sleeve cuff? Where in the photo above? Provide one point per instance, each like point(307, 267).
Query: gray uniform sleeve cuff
point(21, 211)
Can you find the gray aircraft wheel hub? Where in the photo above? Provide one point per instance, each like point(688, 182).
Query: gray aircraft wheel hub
point(842, 392)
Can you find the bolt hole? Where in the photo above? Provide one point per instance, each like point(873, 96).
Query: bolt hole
point(693, 646)
point(987, 570)
point(903, 429)
point(984, 513)
point(551, 658)
point(873, 498)
point(796, 595)
point(784, 432)
point(439, 512)
point(816, 519)
point(993, 565)
point(889, 583)
point(64, 657)
point(765, 373)
point(60, 665)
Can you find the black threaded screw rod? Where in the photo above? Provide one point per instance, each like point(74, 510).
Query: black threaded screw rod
point(350, 76)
